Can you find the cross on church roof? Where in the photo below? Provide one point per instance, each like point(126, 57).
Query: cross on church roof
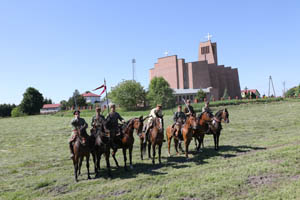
point(208, 36)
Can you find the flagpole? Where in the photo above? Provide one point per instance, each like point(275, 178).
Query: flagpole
point(106, 96)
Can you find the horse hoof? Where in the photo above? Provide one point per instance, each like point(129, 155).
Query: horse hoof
point(169, 155)
point(131, 167)
point(89, 177)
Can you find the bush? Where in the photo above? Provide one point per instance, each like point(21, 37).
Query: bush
point(128, 94)
point(17, 112)
point(160, 93)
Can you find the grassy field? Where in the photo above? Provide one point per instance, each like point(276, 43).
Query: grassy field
point(259, 158)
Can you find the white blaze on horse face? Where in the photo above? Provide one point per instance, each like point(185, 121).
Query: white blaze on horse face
point(214, 122)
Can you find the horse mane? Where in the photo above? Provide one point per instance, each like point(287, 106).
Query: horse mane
point(219, 113)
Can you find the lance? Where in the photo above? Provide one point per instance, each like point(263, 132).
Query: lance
point(106, 96)
point(186, 105)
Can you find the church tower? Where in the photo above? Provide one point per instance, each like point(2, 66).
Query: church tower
point(208, 51)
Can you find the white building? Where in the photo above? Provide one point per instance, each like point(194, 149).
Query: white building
point(91, 97)
point(50, 108)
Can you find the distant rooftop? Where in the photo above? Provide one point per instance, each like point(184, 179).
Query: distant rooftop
point(89, 94)
point(190, 91)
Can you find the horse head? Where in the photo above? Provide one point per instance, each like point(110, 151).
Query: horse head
point(191, 122)
point(225, 115)
point(159, 123)
point(138, 124)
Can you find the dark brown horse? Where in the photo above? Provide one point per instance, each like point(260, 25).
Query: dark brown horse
point(156, 138)
point(187, 132)
point(81, 149)
point(100, 145)
point(170, 135)
point(216, 126)
point(127, 139)
point(203, 122)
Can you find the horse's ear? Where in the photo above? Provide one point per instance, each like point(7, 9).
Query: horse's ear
point(141, 118)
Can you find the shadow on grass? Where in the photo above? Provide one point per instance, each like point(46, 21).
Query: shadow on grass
point(174, 161)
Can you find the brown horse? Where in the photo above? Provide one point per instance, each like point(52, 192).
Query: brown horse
point(216, 126)
point(169, 134)
point(187, 132)
point(100, 145)
point(203, 122)
point(156, 137)
point(127, 139)
point(81, 149)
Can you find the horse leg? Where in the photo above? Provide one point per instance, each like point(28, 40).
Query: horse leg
point(125, 158)
point(98, 163)
point(130, 157)
point(107, 163)
point(80, 163)
point(153, 154)
point(88, 165)
point(169, 145)
point(159, 153)
point(195, 140)
point(149, 150)
point(95, 161)
point(114, 157)
point(75, 163)
point(176, 146)
point(215, 141)
point(187, 143)
point(141, 149)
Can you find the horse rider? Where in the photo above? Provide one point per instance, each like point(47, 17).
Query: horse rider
point(76, 123)
point(206, 108)
point(97, 120)
point(112, 124)
point(179, 119)
point(155, 112)
point(189, 110)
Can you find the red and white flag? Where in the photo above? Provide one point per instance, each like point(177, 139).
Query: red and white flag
point(102, 86)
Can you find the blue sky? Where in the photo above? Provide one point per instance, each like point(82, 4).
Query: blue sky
point(59, 46)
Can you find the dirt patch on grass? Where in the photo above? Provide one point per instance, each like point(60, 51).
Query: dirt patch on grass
point(295, 178)
point(257, 181)
point(58, 190)
point(114, 194)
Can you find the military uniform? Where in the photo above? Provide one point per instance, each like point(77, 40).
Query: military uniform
point(77, 123)
point(188, 109)
point(97, 121)
point(153, 114)
point(179, 115)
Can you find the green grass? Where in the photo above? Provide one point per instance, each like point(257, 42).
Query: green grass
point(259, 158)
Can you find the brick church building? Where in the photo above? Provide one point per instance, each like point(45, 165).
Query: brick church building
point(187, 78)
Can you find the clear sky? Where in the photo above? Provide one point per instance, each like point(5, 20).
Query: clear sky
point(59, 46)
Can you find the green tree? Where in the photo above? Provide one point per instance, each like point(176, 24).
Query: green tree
point(160, 93)
point(32, 101)
point(17, 112)
point(295, 91)
point(128, 94)
point(47, 101)
point(76, 100)
point(63, 105)
point(5, 109)
point(201, 95)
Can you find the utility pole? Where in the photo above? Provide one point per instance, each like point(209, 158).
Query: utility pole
point(133, 68)
point(283, 89)
point(271, 82)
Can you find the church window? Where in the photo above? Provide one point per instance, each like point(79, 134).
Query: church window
point(205, 50)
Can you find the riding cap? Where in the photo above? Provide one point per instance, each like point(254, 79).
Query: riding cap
point(98, 108)
point(158, 105)
point(76, 111)
point(111, 104)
